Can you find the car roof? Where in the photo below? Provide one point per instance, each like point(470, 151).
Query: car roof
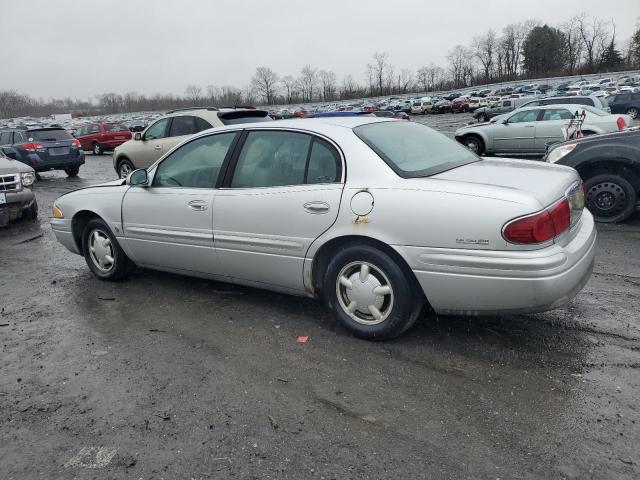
point(568, 106)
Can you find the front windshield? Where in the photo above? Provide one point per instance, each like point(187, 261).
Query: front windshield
point(414, 150)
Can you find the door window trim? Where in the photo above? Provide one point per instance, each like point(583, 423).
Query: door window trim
point(229, 169)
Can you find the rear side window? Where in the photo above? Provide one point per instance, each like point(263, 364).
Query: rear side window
point(94, 129)
point(5, 138)
point(506, 103)
point(202, 124)
point(182, 125)
point(115, 127)
point(48, 135)
point(323, 165)
point(18, 137)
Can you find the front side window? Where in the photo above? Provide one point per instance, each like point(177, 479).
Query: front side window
point(195, 164)
point(414, 150)
point(556, 114)
point(182, 125)
point(157, 130)
point(94, 129)
point(524, 116)
point(270, 159)
point(506, 103)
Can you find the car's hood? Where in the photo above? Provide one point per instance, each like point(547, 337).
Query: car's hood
point(112, 183)
point(8, 166)
point(546, 183)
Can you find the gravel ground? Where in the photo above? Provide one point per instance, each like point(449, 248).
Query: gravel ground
point(168, 377)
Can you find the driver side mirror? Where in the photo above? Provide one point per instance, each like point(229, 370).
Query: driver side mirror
point(137, 136)
point(138, 178)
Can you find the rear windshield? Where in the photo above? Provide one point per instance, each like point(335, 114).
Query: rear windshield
point(48, 135)
point(248, 116)
point(115, 127)
point(595, 111)
point(414, 150)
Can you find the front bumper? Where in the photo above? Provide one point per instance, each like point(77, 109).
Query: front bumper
point(485, 282)
point(17, 203)
point(62, 229)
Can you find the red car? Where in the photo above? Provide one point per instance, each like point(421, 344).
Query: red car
point(460, 105)
point(101, 136)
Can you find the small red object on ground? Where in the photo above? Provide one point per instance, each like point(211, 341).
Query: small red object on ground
point(302, 339)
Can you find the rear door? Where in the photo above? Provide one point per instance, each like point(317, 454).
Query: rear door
point(169, 224)
point(550, 126)
point(282, 191)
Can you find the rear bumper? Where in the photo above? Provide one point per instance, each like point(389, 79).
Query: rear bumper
point(40, 165)
point(480, 282)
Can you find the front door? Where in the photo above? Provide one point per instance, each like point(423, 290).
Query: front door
point(152, 145)
point(282, 192)
point(517, 133)
point(169, 224)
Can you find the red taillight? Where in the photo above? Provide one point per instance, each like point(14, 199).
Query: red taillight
point(32, 147)
point(621, 123)
point(75, 143)
point(540, 227)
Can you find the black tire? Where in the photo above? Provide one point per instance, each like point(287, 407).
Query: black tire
point(32, 212)
point(97, 149)
point(72, 171)
point(483, 117)
point(633, 112)
point(474, 143)
point(610, 198)
point(125, 167)
point(398, 308)
point(95, 251)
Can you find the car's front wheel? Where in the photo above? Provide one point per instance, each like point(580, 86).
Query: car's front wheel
point(103, 254)
point(610, 198)
point(31, 213)
point(125, 167)
point(633, 112)
point(370, 293)
point(483, 117)
point(474, 143)
point(97, 148)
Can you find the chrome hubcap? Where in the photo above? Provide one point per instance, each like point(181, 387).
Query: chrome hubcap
point(125, 170)
point(96, 149)
point(101, 251)
point(364, 293)
point(608, 198)
point(472, 145)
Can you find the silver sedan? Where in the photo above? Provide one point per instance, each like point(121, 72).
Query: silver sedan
point(378, 218)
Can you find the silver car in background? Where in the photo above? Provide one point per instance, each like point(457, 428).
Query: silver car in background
point(376, 217)
point(528, 130)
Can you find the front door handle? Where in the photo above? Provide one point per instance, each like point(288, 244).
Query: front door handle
point(316, 207)
point(197, 205)
point(158, 147)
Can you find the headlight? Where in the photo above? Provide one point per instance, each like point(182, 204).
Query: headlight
point(28, 179)
point(57, 213)
point(559, 152)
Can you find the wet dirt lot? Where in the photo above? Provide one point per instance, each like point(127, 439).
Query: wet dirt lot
point(168, 377)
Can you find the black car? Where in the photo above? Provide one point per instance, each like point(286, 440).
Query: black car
point(625, 102)
point(43, 148)
point(609, 165)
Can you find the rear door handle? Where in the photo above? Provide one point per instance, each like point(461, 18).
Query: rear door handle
point(197, 205)
point(316, 207)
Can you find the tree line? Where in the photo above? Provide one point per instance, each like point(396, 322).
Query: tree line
point(530, 49)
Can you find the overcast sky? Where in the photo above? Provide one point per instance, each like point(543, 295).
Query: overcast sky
point(80, 48)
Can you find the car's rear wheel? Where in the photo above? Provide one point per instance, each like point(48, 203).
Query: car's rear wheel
point(125, 167)
point(103, 254)
point(633, 112)
point(370, 293)
point(610, 198)
point(483, 117)
point(72, 171)
point(474, 143)
point(97, 148)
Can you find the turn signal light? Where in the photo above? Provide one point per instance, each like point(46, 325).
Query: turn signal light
point(539, 227)
point(57, 213)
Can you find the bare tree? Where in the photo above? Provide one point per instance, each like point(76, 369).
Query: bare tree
point(289, 84)
point(308, 82)
point(484, 49)
point(349, 87)
point(265, 83)
point(594, 34)
point(193, 93)
point(405, 80)
point(422, 79)
point(381, 71)
point(574, 45)
point(460, 66)
point(328, 83)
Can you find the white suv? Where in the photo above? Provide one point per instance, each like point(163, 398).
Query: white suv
point(165, 133)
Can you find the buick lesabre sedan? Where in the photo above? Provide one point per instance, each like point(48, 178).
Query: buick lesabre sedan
point(376, 217)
